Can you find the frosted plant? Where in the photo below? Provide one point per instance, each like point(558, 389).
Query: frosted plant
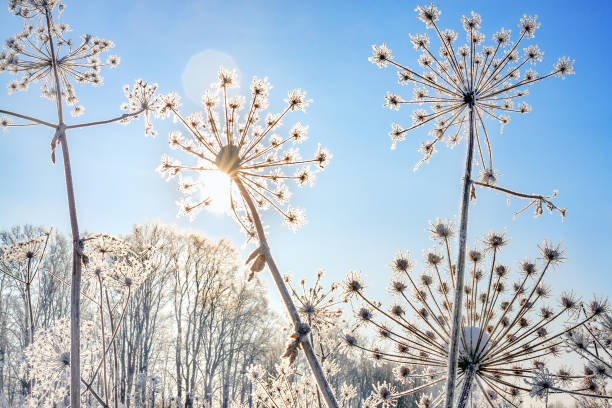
point(22, 253)
point(113, 262)
point(506, 329)
point(382, 396)
point(593, 342)
point(28, 54)
point(465, 87)
point(48, 362)
point(320, 308)
point(317, 306)
point(237, 160)
point(43, 53)
point(21, 262)
point(289, 388)
point(112, 272)
point(591, 391)
point(239, 169)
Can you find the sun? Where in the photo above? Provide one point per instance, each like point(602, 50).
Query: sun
point(216, 185)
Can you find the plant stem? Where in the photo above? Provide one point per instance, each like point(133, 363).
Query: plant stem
point(18, 115)
point(456, 320)
point(467, 386)
point(30, 316)
point(96, 396)
point(116, 363)
point(104, 122)
point(101, 310)
point(75, 289)
point(322, 357)
point(313, 362)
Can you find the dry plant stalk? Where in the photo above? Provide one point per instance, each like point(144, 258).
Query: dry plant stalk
point(464, 86)
point(290, 388)
point(239, 171)
point(43, 53)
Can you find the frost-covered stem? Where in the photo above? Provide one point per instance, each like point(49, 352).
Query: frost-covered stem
point(104, 122)
point(75, 288)
point(511, 192)
point(28, 294)
point(116, 361)
point(101, 310)
point(467, 386)
point(96, 396)
point(115, 331)
point(456, 318)
point(578, 393)
point(30, 314)
point(313, 362)
point(322, 356)
point(18, 115)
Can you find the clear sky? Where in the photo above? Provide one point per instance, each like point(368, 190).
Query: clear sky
point(369, 203)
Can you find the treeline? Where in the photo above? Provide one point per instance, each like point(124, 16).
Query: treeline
point(184, 336)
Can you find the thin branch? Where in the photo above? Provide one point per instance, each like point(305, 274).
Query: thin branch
point(18, 115)
point(536, 199)
point(103, 122)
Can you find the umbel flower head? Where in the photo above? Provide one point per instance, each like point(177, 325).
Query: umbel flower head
point(317, 306)
point(289, 388)
point(112, 262)
point(593, 343)
point(32, 8)
point(142, 97)
point(22, 260)
point(240, 154)
point(454, 80)
point(506, 329)
point(47, 362)
point(24, 251)
point(43, 43)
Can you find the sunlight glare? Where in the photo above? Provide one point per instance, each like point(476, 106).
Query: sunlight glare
point(216, 185)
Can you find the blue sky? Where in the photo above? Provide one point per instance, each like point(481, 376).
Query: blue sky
point(369, 203)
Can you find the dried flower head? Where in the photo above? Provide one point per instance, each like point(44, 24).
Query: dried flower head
point(460, 79)
point(47, 361)
point(113, 263)
point(238, 157)
point(29, 250)
point(286, 387)
point(142, 98)
point(506, 329)
point(33, 52)
point(318, 307)
point(383, 395)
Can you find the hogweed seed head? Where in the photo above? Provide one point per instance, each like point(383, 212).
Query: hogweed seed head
point(457, 79)
point(236, 154)
point(506, 328)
